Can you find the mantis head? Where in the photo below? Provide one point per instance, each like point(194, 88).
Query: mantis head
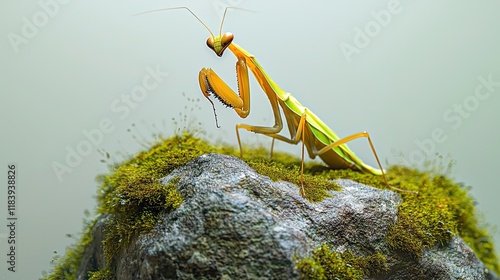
point(219, 43)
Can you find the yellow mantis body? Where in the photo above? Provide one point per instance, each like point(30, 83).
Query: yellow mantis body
point(303, 125)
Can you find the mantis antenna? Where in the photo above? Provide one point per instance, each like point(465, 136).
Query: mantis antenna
point(177, 8)
point(189, 10)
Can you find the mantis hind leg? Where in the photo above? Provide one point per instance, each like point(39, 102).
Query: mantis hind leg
point(364, 134)
point(294, 139)
point(300, 135)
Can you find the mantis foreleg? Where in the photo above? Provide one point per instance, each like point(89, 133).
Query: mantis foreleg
point(211, 83)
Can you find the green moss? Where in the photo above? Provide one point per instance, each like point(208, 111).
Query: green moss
point(326, 264)
point(440, 210)
point(104, 274)
point(131, 193)
point(315, 188)
point(135, 198)
point(66, 267)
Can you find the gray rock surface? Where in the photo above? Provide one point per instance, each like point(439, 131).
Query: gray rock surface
point(93, 256)
point(237, 224)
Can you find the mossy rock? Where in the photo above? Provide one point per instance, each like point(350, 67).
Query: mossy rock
point(135, 203)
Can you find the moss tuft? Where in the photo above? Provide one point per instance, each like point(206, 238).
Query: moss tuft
point(134, 195)
point(326, 264)
point(315, 188)
point(66, 267)
point(440, 210)
point(104, 274)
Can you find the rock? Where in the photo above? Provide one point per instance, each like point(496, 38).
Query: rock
point(455, 261)
point(236, 224)
point(93, 255)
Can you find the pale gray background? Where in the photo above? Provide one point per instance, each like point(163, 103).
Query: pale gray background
point(90, 53)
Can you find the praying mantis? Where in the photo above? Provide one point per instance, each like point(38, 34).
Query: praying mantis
point(303, 125)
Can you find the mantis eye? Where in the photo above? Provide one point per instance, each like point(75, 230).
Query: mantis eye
point(210, 43)
point(227, 39)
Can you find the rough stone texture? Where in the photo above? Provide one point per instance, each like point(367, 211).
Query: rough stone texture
point(93, 256)
point(237, 224)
